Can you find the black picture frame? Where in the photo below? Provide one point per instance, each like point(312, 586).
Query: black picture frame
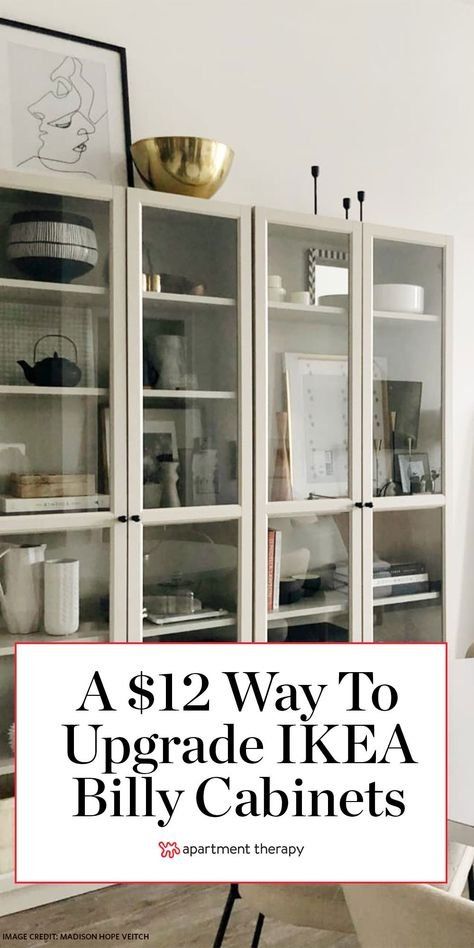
point(86, 41)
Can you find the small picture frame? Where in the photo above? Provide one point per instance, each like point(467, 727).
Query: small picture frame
point(159, 437)
point(63, 105)
point(414, 465)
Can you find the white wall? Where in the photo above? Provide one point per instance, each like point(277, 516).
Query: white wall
point(378, 92)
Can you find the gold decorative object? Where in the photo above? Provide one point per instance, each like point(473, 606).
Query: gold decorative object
point(281, 483)
point(196, 167)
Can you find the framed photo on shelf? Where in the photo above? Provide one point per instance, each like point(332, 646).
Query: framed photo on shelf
point(63, 105)
point(318, 436)
point(413, 465)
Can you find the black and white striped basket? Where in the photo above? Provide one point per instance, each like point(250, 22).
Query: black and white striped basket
point(52, 245)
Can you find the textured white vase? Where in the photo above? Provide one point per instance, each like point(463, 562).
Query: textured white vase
point(61, 597)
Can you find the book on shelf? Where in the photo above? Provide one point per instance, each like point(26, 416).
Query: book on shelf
point(270, 568)
point(406, 585)
point(277, 569)
point(273, 569)
point(40, 504)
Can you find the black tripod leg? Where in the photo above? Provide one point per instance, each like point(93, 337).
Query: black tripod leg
point(258, 931)
point(470, 883)
point(232, 896)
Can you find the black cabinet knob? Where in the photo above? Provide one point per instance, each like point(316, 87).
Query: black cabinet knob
point(358, 504)
point(369, 504)
point(136, 518)
point(123, 518)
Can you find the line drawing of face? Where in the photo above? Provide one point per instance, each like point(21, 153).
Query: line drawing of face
point(64, 114)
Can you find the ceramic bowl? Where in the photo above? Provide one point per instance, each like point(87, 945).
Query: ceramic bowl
point(291, 590)
point(399, 297)
point(196, 167)
point(52, 245)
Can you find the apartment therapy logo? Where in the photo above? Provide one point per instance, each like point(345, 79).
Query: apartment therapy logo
point(115, 774)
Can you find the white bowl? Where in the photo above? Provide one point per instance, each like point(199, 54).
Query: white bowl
point(399, 297)
point(276, 294)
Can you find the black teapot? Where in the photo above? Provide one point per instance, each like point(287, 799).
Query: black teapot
point(55, 370)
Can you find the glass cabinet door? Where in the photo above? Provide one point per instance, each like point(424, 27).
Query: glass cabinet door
point(190, 373)
point(407, 580)
point(56, 351)
point(405, 408)
point(407, 319)
point(308, 399)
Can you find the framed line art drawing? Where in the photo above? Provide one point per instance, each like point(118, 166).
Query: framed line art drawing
point(63, 105)
point(317, 397)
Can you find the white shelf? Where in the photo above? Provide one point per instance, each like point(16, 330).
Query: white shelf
point(150, 629)
point(305, 312)
point(184, 302)
point(57, 390)
point(324, 603)
point(88, 632)
point(397, 600)
point(52, 294)
point(406, 317)
point(185, 393)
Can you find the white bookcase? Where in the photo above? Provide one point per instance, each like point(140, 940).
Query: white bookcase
point(365, 397)
point(175, 416)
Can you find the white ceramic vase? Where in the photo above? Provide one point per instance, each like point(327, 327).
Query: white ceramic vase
point(61, 597)
point(21, 595)
point(169, 360)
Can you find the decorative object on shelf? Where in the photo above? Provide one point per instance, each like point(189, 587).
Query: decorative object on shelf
point(315, 176)
point(13, 461)
point(361, 199)
point(204, 475)
point(328, 272)
point(52, 485)
point(55, 246)
point(435, 475)
point(415, 473)
point(21, 595)
point(311, 583)
point(291, 590)
point(399, 298)
point(168, 354)
point(300, 296)
point(281, 480)
point(61, 597)
point(196, 167)
point(151, 282)
point(317, 387)
point(402, 398)
point(159, 439)
point(276, 290)
point(69, 98)
point(340, 300)
point(168, 477)
point(378, 444)
point(22, 323)
point(53, 371)
point(11, 736)
point(20, 505)
point(346, 203)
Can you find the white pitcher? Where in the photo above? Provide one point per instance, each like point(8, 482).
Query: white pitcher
point(21, 597)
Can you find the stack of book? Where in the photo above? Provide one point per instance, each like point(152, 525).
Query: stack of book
point(273, 569)
point(400, 579)
point(390, 579)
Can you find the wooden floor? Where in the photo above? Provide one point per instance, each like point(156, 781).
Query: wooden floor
point(184, 916)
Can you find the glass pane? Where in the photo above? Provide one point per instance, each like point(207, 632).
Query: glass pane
point(55, 584)
point(408, 573)
point(190, 582)
point(190, 366)
point(54, 353)
point(308, 578)
point(308, 374)
point(407, 384)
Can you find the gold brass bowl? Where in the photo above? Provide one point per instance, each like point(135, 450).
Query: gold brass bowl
point(196, 167)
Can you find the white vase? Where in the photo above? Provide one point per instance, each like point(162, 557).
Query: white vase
point(21, 595)
point(61, 597)
point(168, 356)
